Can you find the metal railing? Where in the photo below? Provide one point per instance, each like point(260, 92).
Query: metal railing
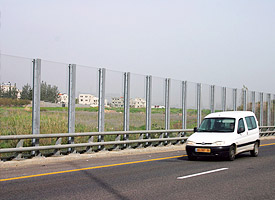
point(267, 131)
point(145, 139)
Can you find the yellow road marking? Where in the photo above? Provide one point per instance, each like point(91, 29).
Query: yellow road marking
point(87, 168)
point(262, 145)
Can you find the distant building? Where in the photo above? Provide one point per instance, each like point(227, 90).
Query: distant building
point(117, 102)
point(7, 87)
point(137, 103)
point(89, 99)
point(63, 98)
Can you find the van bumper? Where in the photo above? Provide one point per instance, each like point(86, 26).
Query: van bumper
point(218, 151)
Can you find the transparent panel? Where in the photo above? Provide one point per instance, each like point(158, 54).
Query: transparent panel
point(15, 98)
point(249, 100)
point(175, 104)
point(258, 105)
point(86, 115)
point(218, 98)
point(54, 83)
point(240, 99)
point(191, 105)
point(158, 103)
point(137, 102)
point(229, 99)
point(115, 101)
point(205, 100)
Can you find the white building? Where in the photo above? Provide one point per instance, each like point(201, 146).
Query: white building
point(7, 87)
point(137, 103)
point(117, 102)
point(63, 98)
point(88, 99)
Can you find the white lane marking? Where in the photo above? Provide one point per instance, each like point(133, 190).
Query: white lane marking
point(202, 173)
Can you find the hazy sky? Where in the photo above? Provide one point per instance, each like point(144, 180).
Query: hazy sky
point(223, 42)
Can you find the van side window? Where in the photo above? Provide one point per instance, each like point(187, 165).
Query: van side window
point(251, 122)
point(254, 123)
point(241, 124)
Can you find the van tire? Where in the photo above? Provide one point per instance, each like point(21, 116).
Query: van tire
point(232, 153)
point(255, 151)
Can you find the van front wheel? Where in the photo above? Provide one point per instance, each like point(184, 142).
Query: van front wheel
point(255, 151)
point(232, 153)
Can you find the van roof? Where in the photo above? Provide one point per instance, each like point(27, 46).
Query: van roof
point(231, 114)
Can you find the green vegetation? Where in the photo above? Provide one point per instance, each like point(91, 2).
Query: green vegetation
point(18, 121)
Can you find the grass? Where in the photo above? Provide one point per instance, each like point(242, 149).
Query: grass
point(18, 121)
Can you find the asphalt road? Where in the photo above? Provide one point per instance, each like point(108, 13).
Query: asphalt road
point(166, 175)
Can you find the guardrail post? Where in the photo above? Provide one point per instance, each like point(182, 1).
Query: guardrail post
point(244, 99)
point(71, 103)
point(101, 104)
point(126, 105)
point(253, 102)
point(184, 106)
point(223, 98)
point(212, 98)
point(36, 102)
point(198, 104)
point(268, 109)
point(261, 109)
point(234, 99)
point(167, 107)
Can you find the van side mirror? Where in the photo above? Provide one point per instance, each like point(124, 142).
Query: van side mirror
point(195, 129)
point(241, 130)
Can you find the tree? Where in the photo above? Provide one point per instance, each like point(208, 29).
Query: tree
point(26, 92)
point(49, 93)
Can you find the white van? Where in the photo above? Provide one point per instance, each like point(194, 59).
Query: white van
point(225, 134)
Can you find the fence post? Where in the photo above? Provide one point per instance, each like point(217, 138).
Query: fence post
point(184, 106)
point(101, 104)
point(223, 98)
point(268, 109)
point(261, 109)
point(148, 109)
point(234, 99)
point(36, 101)
point(71, 102)
point(212, 98)
point(253, 102)
point(167, 106)
point(126, 105)
point(198, 104)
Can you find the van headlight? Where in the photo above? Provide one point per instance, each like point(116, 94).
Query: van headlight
point(219, 143)
point(190, 142)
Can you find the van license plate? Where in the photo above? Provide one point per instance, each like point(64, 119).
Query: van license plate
point(203, 150)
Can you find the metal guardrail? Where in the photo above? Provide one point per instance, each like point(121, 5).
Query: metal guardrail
point(35, 137)
point(264, 131)
point(267, 131)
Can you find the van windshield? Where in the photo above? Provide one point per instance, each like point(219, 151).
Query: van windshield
point(223, 125)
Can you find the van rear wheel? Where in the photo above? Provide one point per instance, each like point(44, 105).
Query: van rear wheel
point(232, 153)
point(255, 151)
